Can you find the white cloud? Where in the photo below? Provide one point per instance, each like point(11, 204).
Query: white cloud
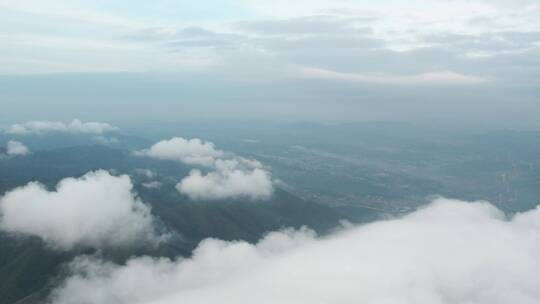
point(430, 78)
point(95, 210)
point(152, 185)
point(231, 177)
point(189, 151)
point(237, 177)
point(75, 126)
point(449, 252)
point(15, 148)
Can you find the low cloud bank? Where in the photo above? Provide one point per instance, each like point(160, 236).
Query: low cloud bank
point(75, 126)
point(449, 252)
point(96, 210)
point(231, 176)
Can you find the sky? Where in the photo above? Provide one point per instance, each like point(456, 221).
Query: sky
point(453, 62)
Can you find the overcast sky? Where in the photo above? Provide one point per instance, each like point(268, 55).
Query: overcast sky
point(462, 62)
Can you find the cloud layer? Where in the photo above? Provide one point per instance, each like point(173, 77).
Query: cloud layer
point(96, 210)
point(449, 252)
point(75, 126)
point(231, 176)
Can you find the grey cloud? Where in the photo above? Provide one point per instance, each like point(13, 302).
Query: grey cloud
point(321, 43)
point(314, 25)
point(334, 43)
point(494, 42)
point(295, 33)
point(196, 32)
point(194, 37)
point(164, 33)
point(263, 56)
point(201, 43)
point(189, 37)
